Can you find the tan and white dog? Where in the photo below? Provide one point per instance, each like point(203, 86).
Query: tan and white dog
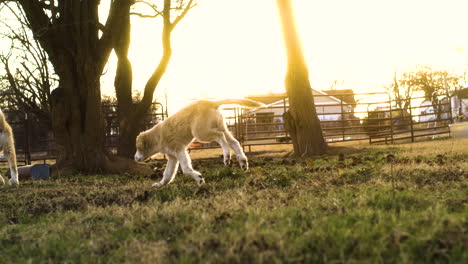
point(200, 120)
point(7, 145)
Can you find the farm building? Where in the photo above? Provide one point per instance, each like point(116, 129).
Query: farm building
point(429, 111)
point(327, 104)
point(460, 104)
point(335, 110)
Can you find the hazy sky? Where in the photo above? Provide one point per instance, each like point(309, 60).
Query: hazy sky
point(227, 48)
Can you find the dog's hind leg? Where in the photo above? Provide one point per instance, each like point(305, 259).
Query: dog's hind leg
point(170, 171)
point(186, 165)
point(241, 158)
point(213, 135)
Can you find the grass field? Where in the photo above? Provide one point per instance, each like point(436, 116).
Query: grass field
point(359, 204)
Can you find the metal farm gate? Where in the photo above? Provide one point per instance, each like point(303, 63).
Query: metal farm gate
point(373, 117)
point(34, 139)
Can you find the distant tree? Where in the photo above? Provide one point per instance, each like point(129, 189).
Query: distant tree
point(435, 84)
point(131, 110)
point(335, 84)
point(28, 75)
point(301, 120)
point(401, 92)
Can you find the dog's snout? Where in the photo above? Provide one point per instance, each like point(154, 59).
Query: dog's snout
point(138, 157)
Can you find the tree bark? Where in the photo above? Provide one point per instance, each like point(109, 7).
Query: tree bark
point(129, 124)
point(70, 36)
point(130, 112)
point(78, 124)
point(301, 119)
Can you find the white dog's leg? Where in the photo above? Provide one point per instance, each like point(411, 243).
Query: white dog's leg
point(13, 168)
point(213, 135)
point(226, 151)
point(170, 171)
point(186, 165)
point(243, 162)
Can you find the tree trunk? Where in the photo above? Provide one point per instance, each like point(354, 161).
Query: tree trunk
point(78, 122)
point(130, 127)
point(301, 120)
point(78, 46)
point(130, 113)
point(129, 124)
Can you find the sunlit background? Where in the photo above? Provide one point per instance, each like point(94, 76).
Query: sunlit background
point(226, 48)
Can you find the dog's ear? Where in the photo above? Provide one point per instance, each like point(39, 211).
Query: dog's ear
point(139, 142)
point(144, 143)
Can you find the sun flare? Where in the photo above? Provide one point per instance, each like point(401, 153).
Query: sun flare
point(229, 48)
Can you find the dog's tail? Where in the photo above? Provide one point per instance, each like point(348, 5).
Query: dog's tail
point(242, 102)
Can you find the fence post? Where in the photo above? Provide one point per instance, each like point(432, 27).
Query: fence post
point(27, 140)
point(450, 110)
point(342, 118)
point(236, 124)
point(241, 128)
point(286, 134)
point(391, 119)
point(411, 119)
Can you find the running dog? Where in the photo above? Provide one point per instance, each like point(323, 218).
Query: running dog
point(200, 120)
point(7, 145)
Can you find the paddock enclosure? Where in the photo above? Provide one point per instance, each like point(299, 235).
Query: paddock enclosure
point(371, 117)
point(34, 139)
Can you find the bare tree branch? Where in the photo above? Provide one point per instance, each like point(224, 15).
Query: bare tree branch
point(113, 24)
point(143, 15)
point(189, 6)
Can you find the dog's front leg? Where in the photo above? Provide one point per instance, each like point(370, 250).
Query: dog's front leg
point(186, 165)
point(170, 171)
point(11, 157)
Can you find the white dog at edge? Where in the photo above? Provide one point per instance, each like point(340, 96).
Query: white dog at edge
point(200, 120)
point(7, 145)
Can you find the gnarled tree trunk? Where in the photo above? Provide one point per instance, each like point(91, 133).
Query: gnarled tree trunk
point(69, 33)
point(78, 123)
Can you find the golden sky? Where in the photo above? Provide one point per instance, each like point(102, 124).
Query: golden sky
point(226, 48)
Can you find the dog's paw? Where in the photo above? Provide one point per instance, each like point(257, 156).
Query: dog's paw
point(14, 181)
point(201, 181)
point(244, 164)
point(227, 162)
point(157, 185)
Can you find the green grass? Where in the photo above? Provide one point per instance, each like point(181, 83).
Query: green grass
point(374, 204)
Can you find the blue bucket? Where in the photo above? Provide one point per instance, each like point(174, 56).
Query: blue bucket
point(40, 172)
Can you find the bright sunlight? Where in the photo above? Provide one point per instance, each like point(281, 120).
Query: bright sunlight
point(227, 48)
